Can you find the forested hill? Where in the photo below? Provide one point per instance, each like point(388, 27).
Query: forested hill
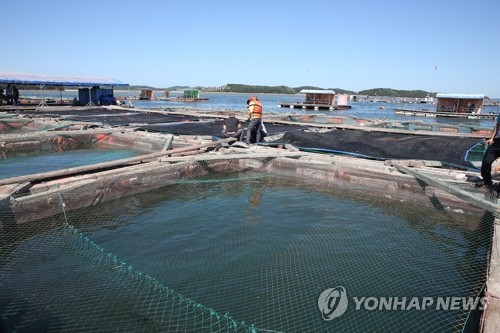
point(248, 89)
point(386, 92)
point(396, 93)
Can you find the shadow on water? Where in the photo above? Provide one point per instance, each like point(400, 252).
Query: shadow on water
point(474, 264)
point(7, 222)
point(480, 242)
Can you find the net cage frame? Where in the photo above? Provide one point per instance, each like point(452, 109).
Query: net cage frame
point(113, 185)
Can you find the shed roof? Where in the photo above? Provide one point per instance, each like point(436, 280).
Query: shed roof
point(460, 96)
point(55, 80)
point(319, 92)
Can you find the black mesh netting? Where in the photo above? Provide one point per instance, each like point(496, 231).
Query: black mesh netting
point(149, 121)
point(126, 119)
point(70, 112)
point(212, 128)
point(448, 149)
point(110, 117)
point(231, 252)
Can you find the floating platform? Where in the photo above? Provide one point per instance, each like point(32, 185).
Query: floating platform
point(434, 114)
point(314, 106)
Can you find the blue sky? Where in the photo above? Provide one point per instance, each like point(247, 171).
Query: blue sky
point(438, 46)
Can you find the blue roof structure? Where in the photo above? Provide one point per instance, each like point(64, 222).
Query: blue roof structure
point(54, 80)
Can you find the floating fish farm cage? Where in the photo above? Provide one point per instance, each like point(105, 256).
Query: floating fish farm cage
point(194, 234)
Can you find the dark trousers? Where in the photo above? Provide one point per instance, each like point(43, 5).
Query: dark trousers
point(236, 134)
point(253, 127)
point(491, 154)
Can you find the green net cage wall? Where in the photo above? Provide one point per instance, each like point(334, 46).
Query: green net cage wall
point(237, 250)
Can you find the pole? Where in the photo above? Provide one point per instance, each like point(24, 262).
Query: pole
point(42, 102)
point(90, 103)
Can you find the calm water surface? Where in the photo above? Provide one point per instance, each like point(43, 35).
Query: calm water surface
point(264, 249)
point(51, 161)
point(237, 102)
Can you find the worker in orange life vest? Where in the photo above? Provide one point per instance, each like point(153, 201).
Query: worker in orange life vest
point(255, 118)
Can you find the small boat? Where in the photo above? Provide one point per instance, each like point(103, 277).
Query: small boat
point(124, 103)
point(476, 153)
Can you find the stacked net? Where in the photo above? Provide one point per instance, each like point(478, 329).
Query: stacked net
point(240, 252)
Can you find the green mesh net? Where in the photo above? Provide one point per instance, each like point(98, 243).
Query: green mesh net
point(239, 252)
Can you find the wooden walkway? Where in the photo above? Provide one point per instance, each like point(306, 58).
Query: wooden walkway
point(8, 190)
point(476, 198)
point(428, 113)
point(314, 106)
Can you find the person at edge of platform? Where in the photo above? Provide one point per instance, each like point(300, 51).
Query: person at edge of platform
point(255, 118)
point(231, 128)
point(9, 92)
point(15, 95)
point(491, 154)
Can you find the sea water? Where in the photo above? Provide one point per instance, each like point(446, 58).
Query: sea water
point(58, 160)
point(237, 102)
point(263, 249)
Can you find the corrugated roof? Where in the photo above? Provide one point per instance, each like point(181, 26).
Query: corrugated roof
point(326, 92)
point(462, 96)
point(54, 80)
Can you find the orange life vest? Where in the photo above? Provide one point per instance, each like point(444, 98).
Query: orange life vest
point(255, 109)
